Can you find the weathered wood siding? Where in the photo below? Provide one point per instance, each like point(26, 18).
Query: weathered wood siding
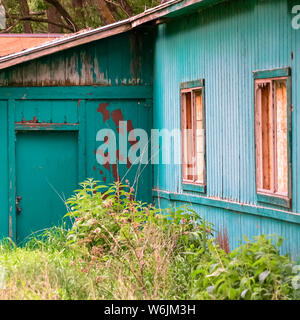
point(124, 59)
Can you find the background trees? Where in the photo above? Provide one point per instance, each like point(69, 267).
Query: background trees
point(65, 16)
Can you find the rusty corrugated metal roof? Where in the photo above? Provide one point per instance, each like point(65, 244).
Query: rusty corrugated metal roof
point(12, 43)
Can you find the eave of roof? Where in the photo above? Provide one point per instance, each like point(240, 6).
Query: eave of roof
point(169, 9)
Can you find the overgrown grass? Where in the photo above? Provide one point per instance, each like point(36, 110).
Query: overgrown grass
point(44, 269)
point(119, 248)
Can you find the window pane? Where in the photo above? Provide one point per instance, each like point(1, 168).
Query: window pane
point(281, 135)
point(188, 161)
point(200, 138)
point(271, 121)
point(266, 136)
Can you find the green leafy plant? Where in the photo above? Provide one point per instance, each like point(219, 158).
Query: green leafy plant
point(138, 240)
point(255, 271)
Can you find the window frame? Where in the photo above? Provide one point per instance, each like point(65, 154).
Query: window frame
point(264, 196)
point(192, 87)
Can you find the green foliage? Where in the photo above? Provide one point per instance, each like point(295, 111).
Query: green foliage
point(113, 214)
point(138, 241)
point(37, 5)
point(119, 248)
point(44, 269)
point(255, 271)
point(142, 5)
point(84, 16)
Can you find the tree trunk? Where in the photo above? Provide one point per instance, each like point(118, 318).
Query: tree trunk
point(24, 8)
point(53, 15)
point(63, 12)
point(105, 13)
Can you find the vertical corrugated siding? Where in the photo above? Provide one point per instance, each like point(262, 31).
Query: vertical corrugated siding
point(224, 45)
point(295, 39)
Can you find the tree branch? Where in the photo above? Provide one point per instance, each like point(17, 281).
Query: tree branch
point(123, 5)
point(29, 18)
point(63, 13)
point(9, 28)
point(114, 5)
point(34, 19)
point(126, 7)
point(68, 27)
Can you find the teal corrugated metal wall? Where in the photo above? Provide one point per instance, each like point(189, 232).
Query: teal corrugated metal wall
point(224, 45)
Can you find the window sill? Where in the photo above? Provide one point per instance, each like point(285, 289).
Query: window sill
point(276, 200)
point(194, 187)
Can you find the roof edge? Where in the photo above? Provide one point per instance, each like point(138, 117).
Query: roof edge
point(64, 43)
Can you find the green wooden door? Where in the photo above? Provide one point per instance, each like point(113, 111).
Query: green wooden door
point(46, 175)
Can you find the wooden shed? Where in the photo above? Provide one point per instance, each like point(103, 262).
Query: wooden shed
point(54, 98)
point(228, 71)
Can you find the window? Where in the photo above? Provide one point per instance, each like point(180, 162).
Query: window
point(272, 123)
point(193, 136)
